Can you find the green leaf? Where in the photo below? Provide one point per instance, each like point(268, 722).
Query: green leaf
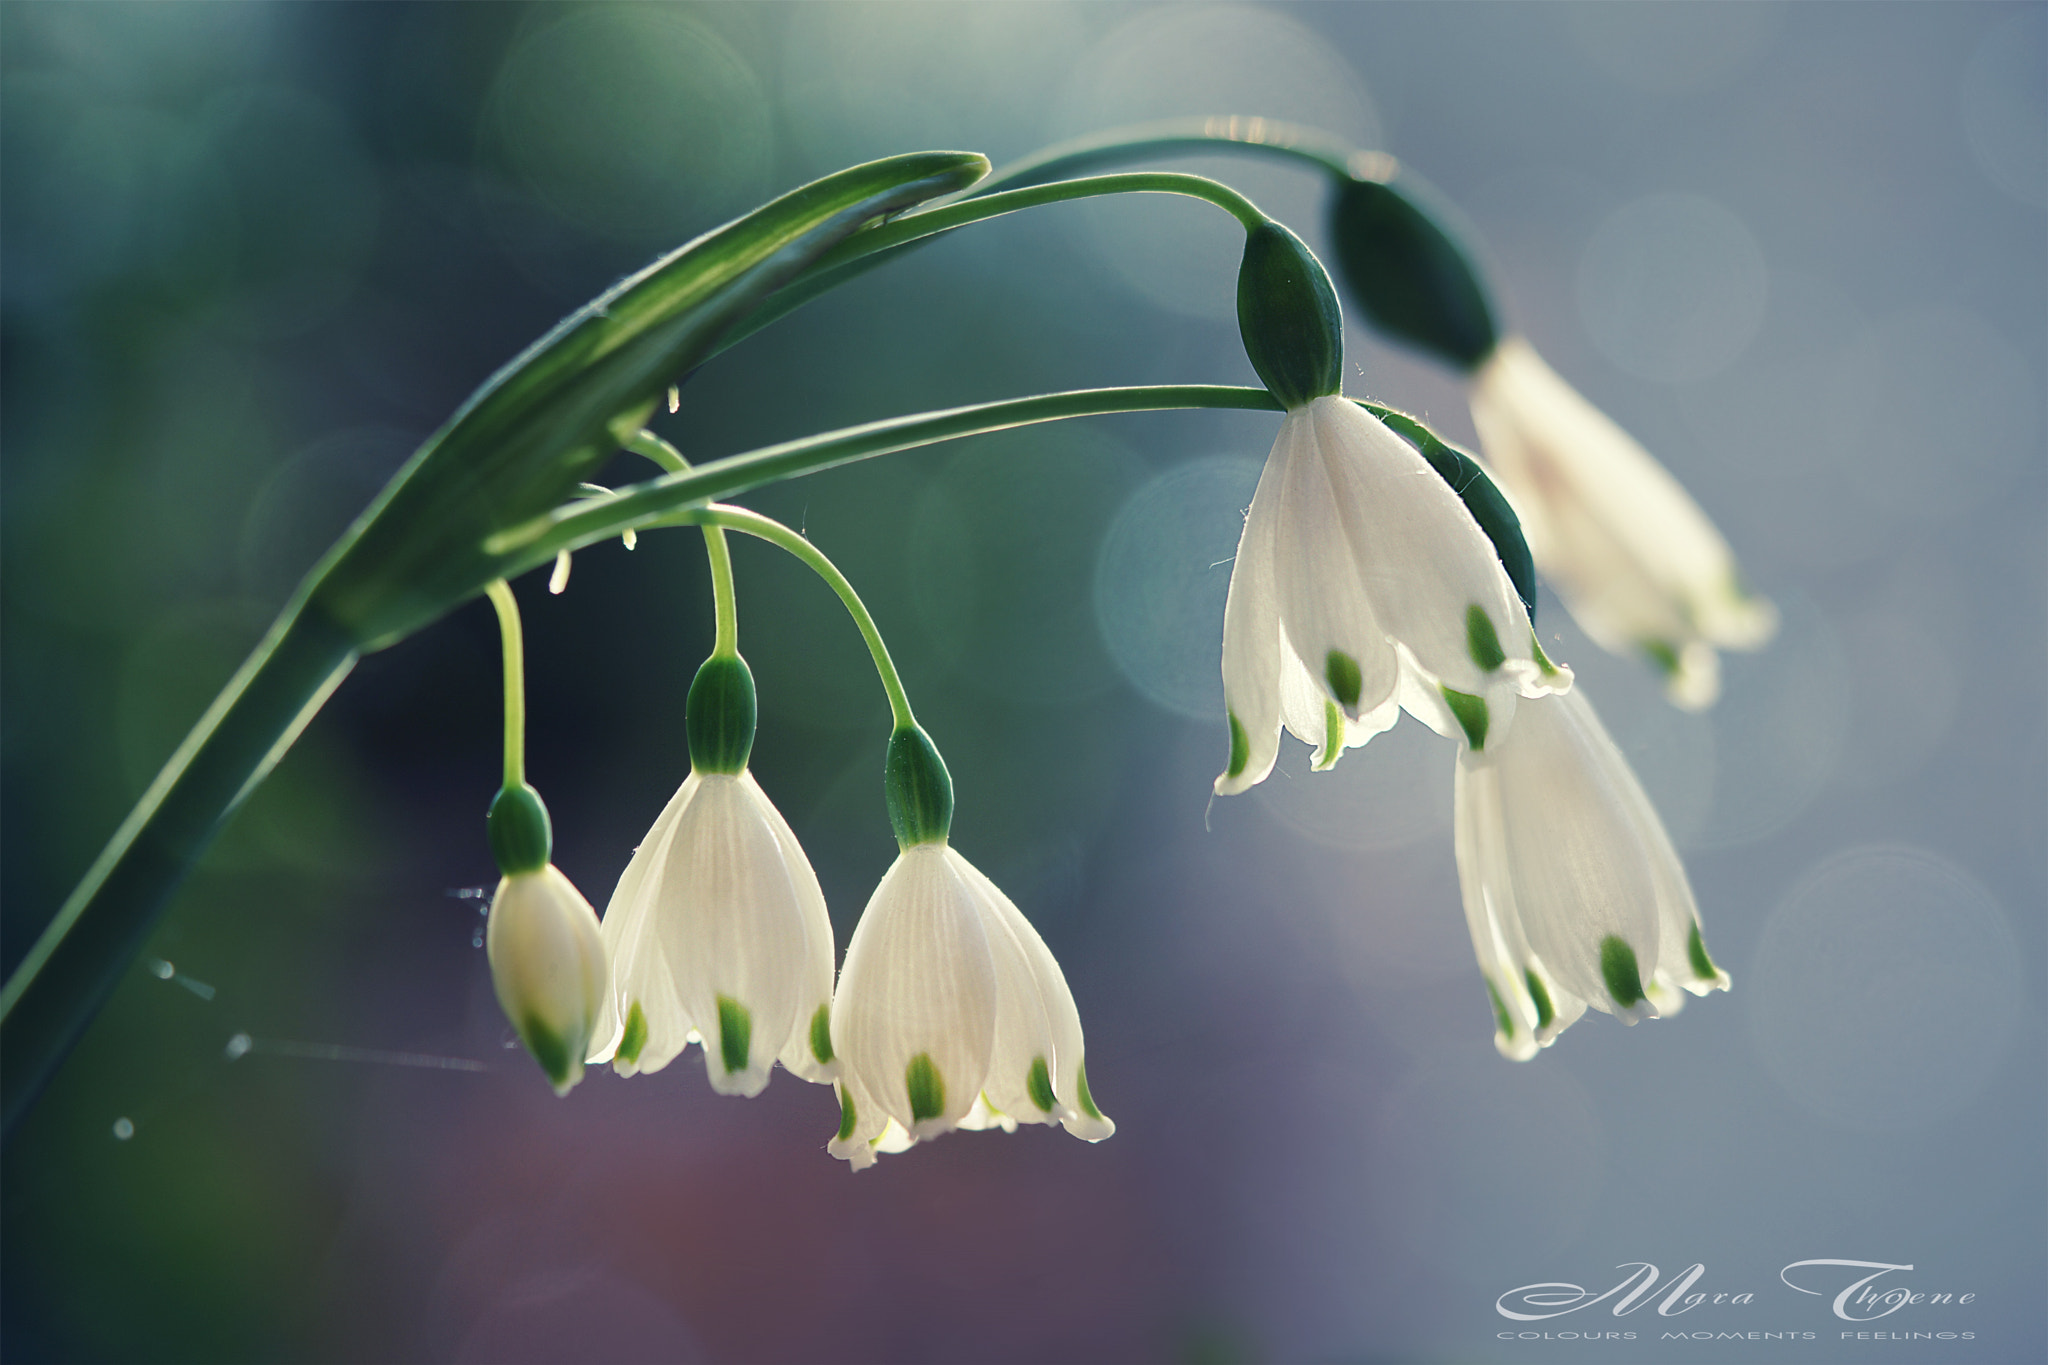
point(543, 424)
point(521, 443)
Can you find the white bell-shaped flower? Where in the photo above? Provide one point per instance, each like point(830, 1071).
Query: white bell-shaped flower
point(718, 934)
point(1632, 556)
point(1363, 585)
point(1572, 890)
point(952, 1013)
point(548, 967)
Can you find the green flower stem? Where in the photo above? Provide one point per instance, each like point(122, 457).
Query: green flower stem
point(1181, 137)
point(775, 533)
point(592, 519)
point(881, 243)
point(726, 642)
point(500, 593)
point(83, 952)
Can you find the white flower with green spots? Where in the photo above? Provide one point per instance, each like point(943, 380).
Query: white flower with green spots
point(951, 1013)
point(1363, 586)
point(1572, 890)
point(1631, 555)
point(718, 934)
point(548, 967)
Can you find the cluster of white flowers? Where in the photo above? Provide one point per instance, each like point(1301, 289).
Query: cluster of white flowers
point(950, 1011)
point(1363, 586)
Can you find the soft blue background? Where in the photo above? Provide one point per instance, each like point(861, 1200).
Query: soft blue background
point(253, 253)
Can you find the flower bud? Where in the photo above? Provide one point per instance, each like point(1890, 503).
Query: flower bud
point(1287, 314)
point(719, 716)
point(920, 790)
point(1410, 275)
point(522, 838)
point(548, 967)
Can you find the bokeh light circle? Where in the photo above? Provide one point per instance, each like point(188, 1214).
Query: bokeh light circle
point(1931, 412)
point(1162, 578)
point(1002, 554)
point(1778, 728)
point(1674, 49)
point(1672, 287)
point(635, 123)
point(1388, 794)
point(1885, 989)
point(2005, 106)
point(1189, 61)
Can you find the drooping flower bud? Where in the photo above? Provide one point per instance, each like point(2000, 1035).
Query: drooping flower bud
point(1288, 316)
point(920, 790)
point(720, 715)
point(548, 966)
point(1408, 272)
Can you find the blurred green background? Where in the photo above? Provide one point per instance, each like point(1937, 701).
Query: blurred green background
point(253, 253)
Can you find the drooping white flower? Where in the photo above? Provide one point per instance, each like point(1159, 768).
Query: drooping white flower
point(718, 934)
point(548, 967)
point(1362, 586)
point(1573, 892)
point(1632, 556)
point(951, 1012)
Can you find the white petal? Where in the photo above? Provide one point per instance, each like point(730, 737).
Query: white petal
point(1635, 560)
point(1062, 1048)
point(1326, 609)
point(1422, 558)
point(548, 966)
point(1531, 1007)
point(864, 1130)
point(1583, 886)
point(1251, 646)
point(733, 928)
point(918, 987)
point(814, 999)
point(640, 975)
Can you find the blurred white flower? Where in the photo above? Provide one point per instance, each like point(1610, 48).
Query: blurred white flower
point(1572, 890)
point(548, 966)
point(1631, 555)
point(718, 934)
point(1362, 586)
point(951, 1012)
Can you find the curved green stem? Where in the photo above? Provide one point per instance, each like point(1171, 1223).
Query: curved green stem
point(775, 533)
point(865, 250)
point(500, 593)
point(726, 642)
point(645, 442)
point(592, 519)
point(1171, 137)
